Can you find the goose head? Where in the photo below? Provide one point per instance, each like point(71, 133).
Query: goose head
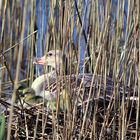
point(53, 58)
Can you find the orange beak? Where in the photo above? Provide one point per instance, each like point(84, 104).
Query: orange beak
point(40, 61)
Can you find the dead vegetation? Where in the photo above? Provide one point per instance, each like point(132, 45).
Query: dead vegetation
point(106, 32)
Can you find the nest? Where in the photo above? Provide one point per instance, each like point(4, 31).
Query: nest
point(93, 119)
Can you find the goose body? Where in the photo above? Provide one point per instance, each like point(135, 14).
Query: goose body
point(39, 85)
point(50, 86)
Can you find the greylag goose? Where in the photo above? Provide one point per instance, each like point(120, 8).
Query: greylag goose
point(51, 86)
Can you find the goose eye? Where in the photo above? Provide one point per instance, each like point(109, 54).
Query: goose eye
point(49, 54)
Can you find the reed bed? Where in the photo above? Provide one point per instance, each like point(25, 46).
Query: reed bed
point(101, 38)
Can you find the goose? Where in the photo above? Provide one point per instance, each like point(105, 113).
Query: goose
point(51, 86)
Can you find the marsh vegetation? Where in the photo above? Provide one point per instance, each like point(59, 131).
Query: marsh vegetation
point(98, 37)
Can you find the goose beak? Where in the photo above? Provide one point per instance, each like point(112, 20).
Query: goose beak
point(41, 60)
